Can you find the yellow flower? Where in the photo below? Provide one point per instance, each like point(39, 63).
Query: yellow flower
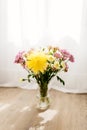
point(51, 58)
point(63, 64)
point(56, 65)
point(37, 62)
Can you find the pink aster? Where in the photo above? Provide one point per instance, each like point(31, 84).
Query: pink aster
point(57, 55)
point(71, 58)
point(19, 58)
point(67, 55)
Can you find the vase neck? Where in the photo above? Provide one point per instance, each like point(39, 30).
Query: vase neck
point(43, 90)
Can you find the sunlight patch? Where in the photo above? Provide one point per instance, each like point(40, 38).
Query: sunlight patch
point(37, 128)
point(25, 109)
point(3, 106)
point(47, 115)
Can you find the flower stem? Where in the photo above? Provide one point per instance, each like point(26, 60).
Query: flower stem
point(43, 89)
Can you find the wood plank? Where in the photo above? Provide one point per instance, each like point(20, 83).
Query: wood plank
point(18, 111)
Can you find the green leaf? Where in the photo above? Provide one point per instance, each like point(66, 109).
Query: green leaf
point(24, 79)
point(58, 78)
point(28, 77)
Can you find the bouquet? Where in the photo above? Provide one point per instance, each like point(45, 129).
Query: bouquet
point(43, 64)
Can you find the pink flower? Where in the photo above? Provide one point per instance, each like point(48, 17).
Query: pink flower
point(57, 55)
point(19, 59)
point(67, 55)
point(71, 58)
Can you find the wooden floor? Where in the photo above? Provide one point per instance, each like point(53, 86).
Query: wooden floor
point(18, 111)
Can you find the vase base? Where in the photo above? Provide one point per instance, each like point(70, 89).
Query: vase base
point(43, 103)
point(42, 108)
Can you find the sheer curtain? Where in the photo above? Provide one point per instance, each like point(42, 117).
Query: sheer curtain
point(34, 23)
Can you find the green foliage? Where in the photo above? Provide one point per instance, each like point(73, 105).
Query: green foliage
point(62, 81)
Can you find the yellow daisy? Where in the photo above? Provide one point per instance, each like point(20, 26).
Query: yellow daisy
point(51, 58)
point(56, 65)
point(63, 64)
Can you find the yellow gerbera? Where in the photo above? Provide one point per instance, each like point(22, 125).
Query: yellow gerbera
point(37, 62)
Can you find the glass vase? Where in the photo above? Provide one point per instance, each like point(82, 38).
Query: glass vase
point(43, 98)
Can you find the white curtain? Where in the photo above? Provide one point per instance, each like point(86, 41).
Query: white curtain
point(35, 23)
